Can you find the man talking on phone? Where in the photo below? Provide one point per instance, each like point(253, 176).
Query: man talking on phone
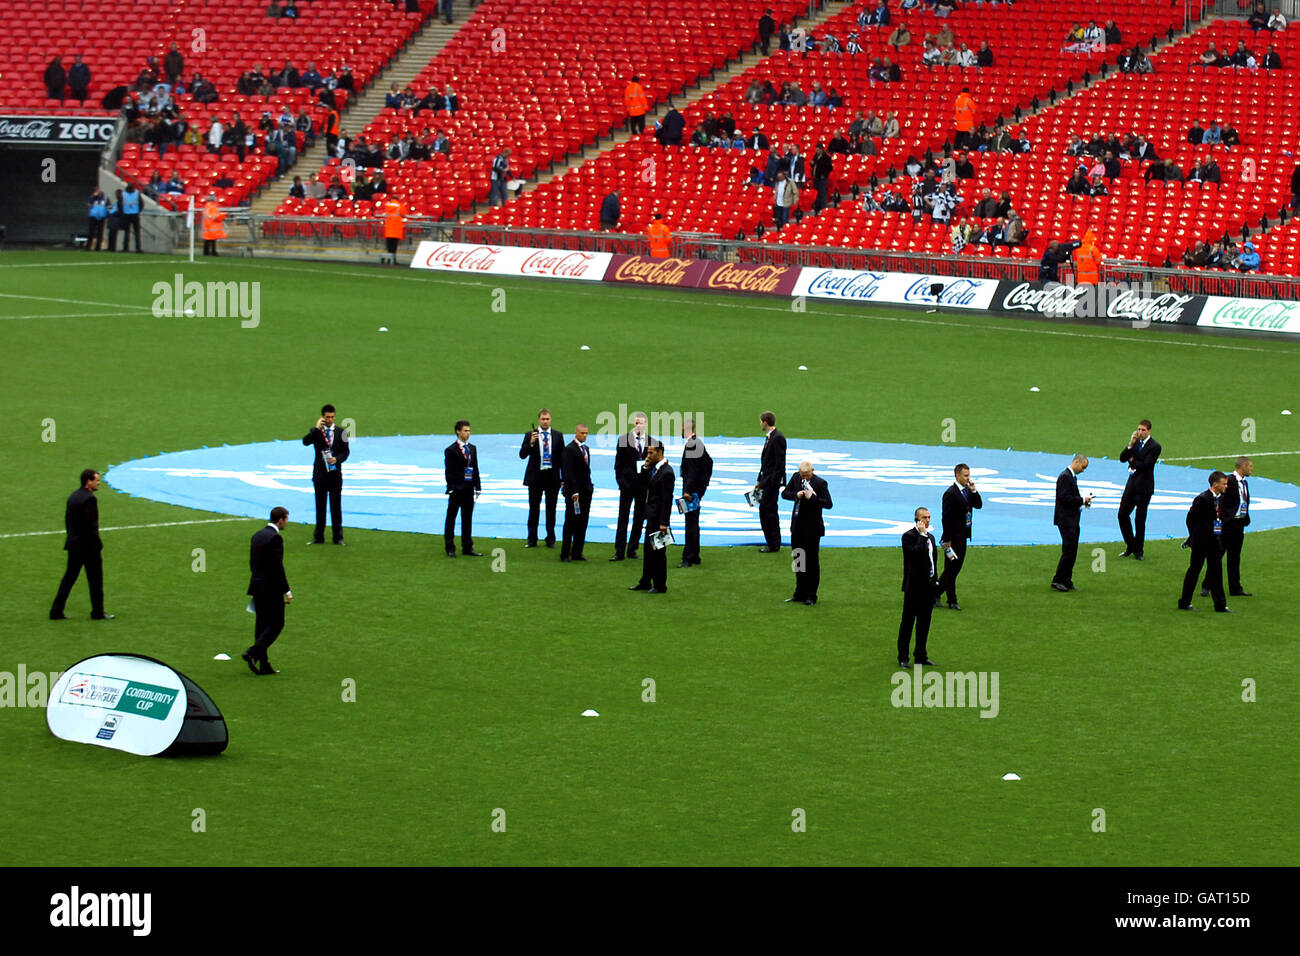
point(1141, 455)
point(543, 448)
point(920, 587)
point(330, 444)
point(958, 501)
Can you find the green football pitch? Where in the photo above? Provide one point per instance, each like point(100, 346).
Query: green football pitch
point(469, 684)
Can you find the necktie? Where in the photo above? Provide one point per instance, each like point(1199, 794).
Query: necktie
point(1245, 494)
point(585, 459)
point(546, 446)
point(638, 446)
point(464, 450)
point(329, 438)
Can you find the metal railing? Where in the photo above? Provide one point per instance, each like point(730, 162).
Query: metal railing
point(1245, 285)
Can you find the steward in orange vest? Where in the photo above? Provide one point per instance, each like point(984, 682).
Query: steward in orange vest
point(212, 227)
point(661, 238)
point(637, 104)
point(1087, 261)
point(965, 116)
point(394, 225)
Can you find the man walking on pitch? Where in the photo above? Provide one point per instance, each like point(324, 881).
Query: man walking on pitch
point(1069, 505)
point(269, 588)
point(81, 521)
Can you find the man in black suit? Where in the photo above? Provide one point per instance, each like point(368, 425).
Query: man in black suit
point(771, 476)
point(1236, 515)
point(958, 501)
point(269, 588)
point(811, 497)
point(629, 472)
point(81, 519)
point(1141, 455)
point(578, 489)
point(697, 469)
point(1069, 505)
point(920, 587)
point(543, 447)
point(658, 513)
point(1205, 526)
point(460, 459)
point(330, 444)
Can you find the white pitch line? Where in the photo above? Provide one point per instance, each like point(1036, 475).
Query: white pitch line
point(1233, 456)
point(79, 315)
point(130, 527)
point(134, 306)
point(83, 265)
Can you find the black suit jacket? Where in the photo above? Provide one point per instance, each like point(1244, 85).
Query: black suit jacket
point(697, 467)
point(1142, 459)
point(1201, 515)
point(454, 464)
point(659, 498)
point(917, 571)
point(340, 450)
point(577, 471)
point(955, 509)
point(1068, 500)
point(771, 469)
point(627, 463)
point(808, 522)
point(266, 562)
point(82, 521)
point(1232, 501)
point(533, 452)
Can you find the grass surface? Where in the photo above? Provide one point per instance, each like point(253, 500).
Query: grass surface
point(470, 683)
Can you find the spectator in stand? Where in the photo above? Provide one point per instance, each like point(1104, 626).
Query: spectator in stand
point(1143, 151)
point(1111, 166)
point(965, 57)
point(290, 11)
point(964, 168)
point(204, 91)
point(1113, 36)
point(1276, 22)
point(312, 78)
point(879, 17)
point(1196, 256)
point(287, 77)
point(1205, 171)
point(754, 93)
point(1213, 136)
point(899, 37)
point(95, 223)
point(346, 80)
point(1295, 187)
point(1272, 61)
point(282, 143)
point(892, 128)
point(1015, 232)
point(931, 55)
point(1230, 137)
point(785, 196)
point(944, 38)
point(1139, 62)
point(1211, 56)
point(79, 81)
point(1164, 172)
point(214, 137)
point(1074, 39)
point(892, 73)
point(173, 64)
point(238, 135)
point(174, 186)
point(610, 213)
point(669, 130)
point(393, 98)
point(1248, 259)
point(1078, 184)
point(1093, 37)
point(839, 143)
point(336, 189)
point(854, 45)
point(1258, 19)
point(273, 10)
point(987, 207)
point(766, 27)
point(1241, 57)
point(943, 8)
point(446, 9)
point(56, 78)
point(822, 168)
point(297, 190)
point(818, 97)
point(500, 174)
point(1196, 135)
point(984, 56)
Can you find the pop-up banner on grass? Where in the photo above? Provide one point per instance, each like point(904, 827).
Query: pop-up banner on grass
point(137, 704)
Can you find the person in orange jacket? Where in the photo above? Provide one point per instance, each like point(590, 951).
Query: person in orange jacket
point(212, 227)
point(1087, 261)
point(964, 109)
point(661, 238)
point(637, 104)
point(394, 225)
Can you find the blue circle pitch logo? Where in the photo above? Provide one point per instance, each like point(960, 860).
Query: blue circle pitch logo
point(397, 483)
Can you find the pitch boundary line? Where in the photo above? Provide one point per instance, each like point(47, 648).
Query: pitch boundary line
point(50, 298)
point(130, 527)
point(1232, 457)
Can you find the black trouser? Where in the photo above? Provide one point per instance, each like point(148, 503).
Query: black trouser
point(654, 564)
point(918, 605)
point(809, 579)
point(546, 482)
point(112, 238)
point(131, 225)
point(331, 486)
point(1128, 502)
point(461, 500)
point(952, 568)
point(94, 234)
point(823, 186)
point(1069, 553)
point(691, 551)
point(575, 526)
point(780, 216)
point(636, 124)
point(629, 501)
point(768, 516)
point(1233, 538)
point(269, 606)
point(209, 247)
point(93, 562)
point(1210, 554)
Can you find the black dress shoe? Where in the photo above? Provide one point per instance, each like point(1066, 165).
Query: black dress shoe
point(252, 662)
point(792, 600)
point(685, 564)
point(577, 557)
point(904, 665)
point(639, 587)
point(1058, 586)
point(1186, 607)
point(530, 544)
point(1240, 594)
point(267, 668)
point(1224, 610)
point(631, 554)
point(102, 617)
point(766, 550)
point(657, 591)
point(810, 601)
point(451, 554)
point(938, 602)
point(314, 541)
point(617, 557)
point(471, 553)
point(954, 606)
point(926, 662)
point(1205, 592)
point(58, 617)
point(1071, 586)
point(1126, 553)
point(550, 543)
point(1138, 556)
point(341, 543)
